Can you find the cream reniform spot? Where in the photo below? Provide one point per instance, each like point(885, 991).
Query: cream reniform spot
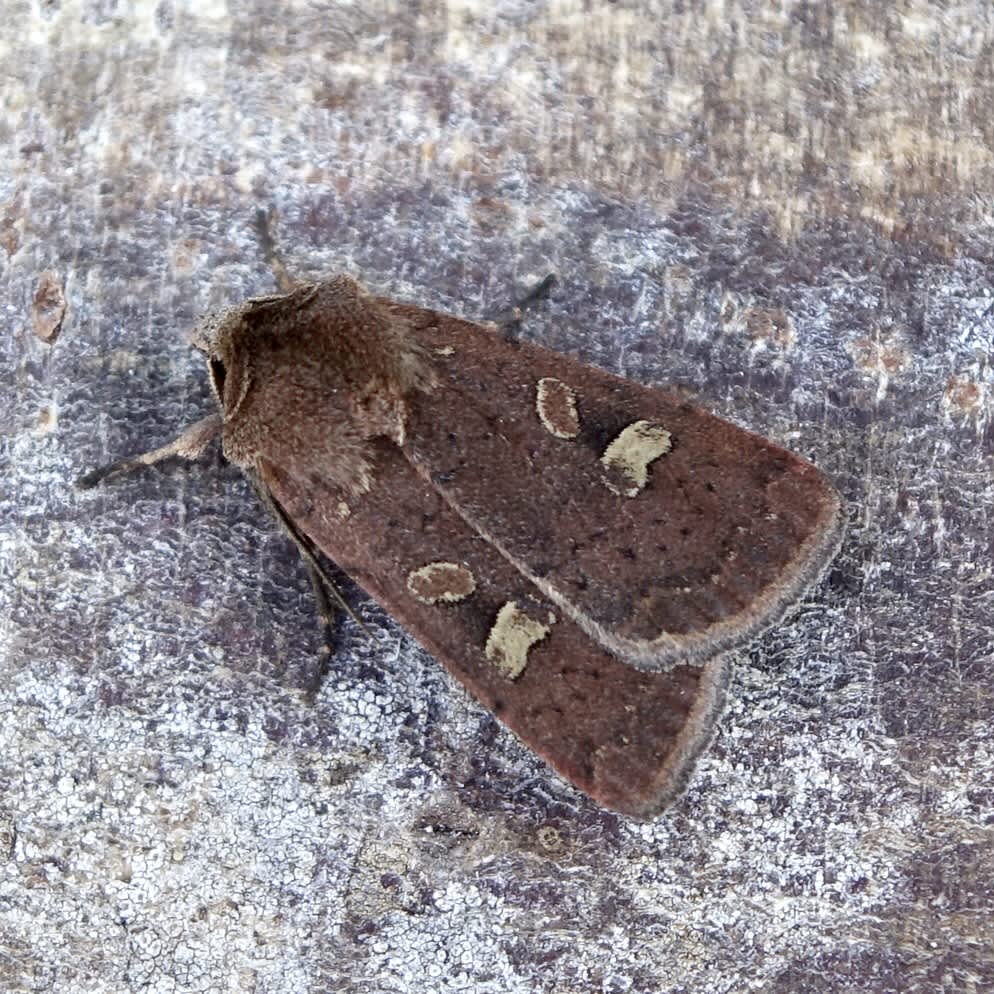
point(511, 638)
point(442, 582)
point(628, 457)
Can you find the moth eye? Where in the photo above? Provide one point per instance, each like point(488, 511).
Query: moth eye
point(218, 374)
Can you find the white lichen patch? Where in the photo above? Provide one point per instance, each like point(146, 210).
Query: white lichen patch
point(441, 582)
point(511, 638)
point(628, 457)
point(555, 403)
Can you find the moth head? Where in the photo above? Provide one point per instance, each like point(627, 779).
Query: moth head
point(216, 336)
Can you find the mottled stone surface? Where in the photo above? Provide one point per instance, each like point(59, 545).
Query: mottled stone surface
point(784, 208)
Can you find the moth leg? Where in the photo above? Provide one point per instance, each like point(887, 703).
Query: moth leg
point(319, 584)
point(509, 321)
point(328, 597)
point(191, 444)
point(263, 228)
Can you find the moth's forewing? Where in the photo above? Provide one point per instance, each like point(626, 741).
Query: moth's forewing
point(625, 737)
point(722, 533)
point(532, 521)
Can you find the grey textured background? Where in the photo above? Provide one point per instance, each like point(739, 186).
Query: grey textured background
point(785, 208)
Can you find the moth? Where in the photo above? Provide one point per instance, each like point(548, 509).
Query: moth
point(579, 550)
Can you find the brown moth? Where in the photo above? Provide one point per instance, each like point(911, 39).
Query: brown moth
point(580, 551)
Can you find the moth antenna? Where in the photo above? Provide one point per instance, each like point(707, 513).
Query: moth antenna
point(508, 321)
point(263, 224)
point(191, 444)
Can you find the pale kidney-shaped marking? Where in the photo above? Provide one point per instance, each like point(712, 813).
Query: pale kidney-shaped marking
point(628, 457)
point(511, 638)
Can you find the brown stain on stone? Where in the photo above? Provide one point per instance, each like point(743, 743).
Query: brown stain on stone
point(881, 357)
point(48, 308)
point(771, 326)
point(965, 397)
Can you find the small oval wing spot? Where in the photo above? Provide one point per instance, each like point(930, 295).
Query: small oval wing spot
point(441, 582)
point(511, 638)
point(555, 403)
point(627, 459)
